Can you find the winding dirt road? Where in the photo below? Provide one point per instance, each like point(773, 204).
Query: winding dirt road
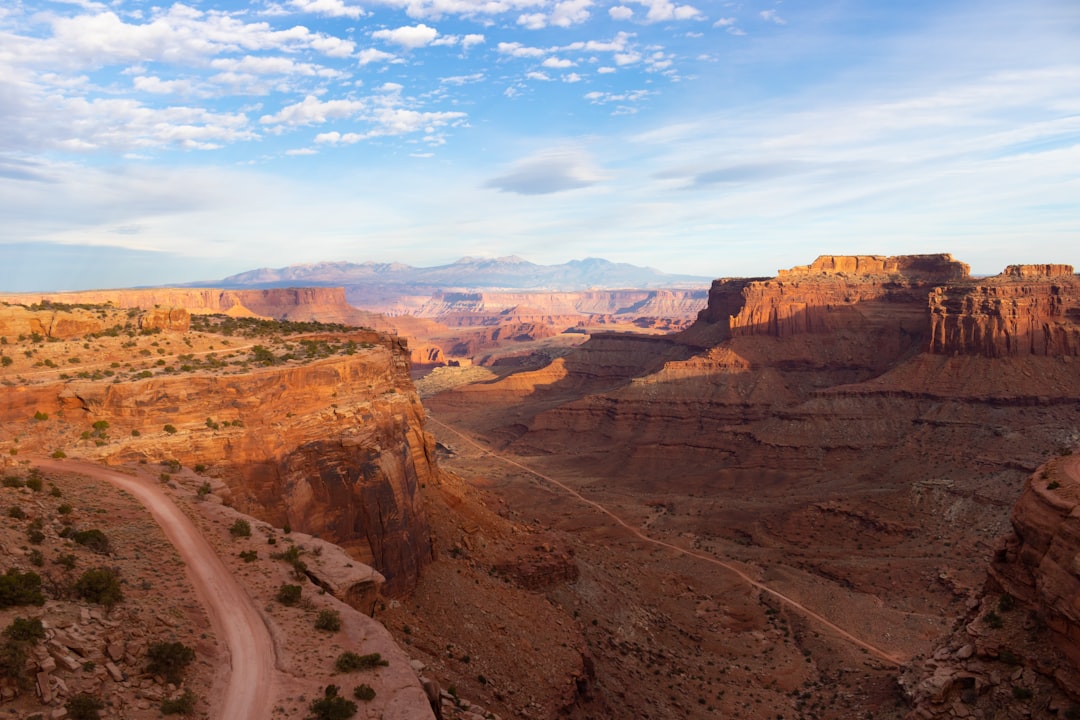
point(249, 692)
point(891, 658)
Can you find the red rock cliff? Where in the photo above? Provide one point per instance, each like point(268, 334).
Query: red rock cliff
point(1027, 310)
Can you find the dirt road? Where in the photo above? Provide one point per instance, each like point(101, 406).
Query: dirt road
point(881, 654)
point(249, 688)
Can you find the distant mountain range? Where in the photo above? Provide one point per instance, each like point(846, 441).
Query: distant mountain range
point(506, 273)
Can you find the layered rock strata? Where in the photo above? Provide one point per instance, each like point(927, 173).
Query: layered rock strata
point(1020, 644)
point(1027, 310)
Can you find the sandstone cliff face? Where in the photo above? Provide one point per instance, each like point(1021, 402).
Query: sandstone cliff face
point(335, 448)
point(319, 303)
point(332, 444)
point(1027, 310)
point(1020, 645)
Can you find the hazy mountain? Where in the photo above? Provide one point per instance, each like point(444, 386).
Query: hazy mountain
point(468, 272)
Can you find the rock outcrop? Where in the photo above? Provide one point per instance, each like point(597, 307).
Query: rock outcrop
point(1027, 310)
point(1020, 644)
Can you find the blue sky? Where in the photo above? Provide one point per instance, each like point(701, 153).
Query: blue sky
point(144, 144)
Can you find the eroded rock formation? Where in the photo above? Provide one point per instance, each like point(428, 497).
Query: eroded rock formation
point(1019, 646)
point(1027, 310)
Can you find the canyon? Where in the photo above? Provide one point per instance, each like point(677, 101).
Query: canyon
point(795, 505)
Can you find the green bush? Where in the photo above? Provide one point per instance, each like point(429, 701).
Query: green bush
point(364, 692)
point(169, 659)
point(331, 706)
point(183, 705)
point(23, 630)
point(170, 429)
point(99, 585)
point(329, 620)
point(249, 555)
point(58, 455)
point(66, 561)
point(349, 661)
point(13, 657)
point(18, 588)
point(40, 416)
point(93, 540)
point(65, 509)
point(84, 706)
point(240, 528)
point(289, 594)
point(34, 483)
point(13, 481)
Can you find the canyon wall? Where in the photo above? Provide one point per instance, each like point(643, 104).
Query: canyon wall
point(330, 443)
point(326, 304)
point(1027, 310)
point(1019, 646)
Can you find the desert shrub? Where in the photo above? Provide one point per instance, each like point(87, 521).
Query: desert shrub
point(364, 692)
point(249, 555)
point(66, 561)
point(13, 657)
point(1021, 693)
point(240, 528)
point(34, 483)
point(200, 467)
point(183, 705)
point(329, 620)
point(171, 429)
point(13, 481)
point(23, 630)
point(40, 416)
point(169, 659)
point(204, 490)
point(16, 512)
point(349, 661)
point(99, 585)
point(994, 620)
point(37, 559)
point(331, 706)
point(6, 360)
point(92, 540)
point(290, 555)
point(65, 509)
point(84, 706)
point(17, 588)
point(58, 455)
point(289, 594)
point(1006, 602)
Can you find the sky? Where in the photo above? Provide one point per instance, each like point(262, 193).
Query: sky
point(146, 144)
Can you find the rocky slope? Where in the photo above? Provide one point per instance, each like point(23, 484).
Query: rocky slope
point(320, 431)
point(1017, 649)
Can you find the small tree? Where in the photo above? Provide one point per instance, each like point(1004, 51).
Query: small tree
point(349, 661)
point(85, 706)
point(329, 620)
point(169, 659)
point(289, 594)
point(331, 706)
point(99, 585)
point(240, 528)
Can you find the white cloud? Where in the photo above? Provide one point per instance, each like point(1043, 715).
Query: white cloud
point(627, 58)
point(472, 39)
point(553, 62)
point(313, 111)
point(409, 36)
point(620, 12)
point(570, 12)
point(550, 171)
point(537, 75)
point(463, 79)
point(533, 21)
point(371, 55)
point(604, 70)
point(156, 85)
point(302, 151)
point(516, 49)
point(331, 8)
point(664, 10)
point(271, 65)
point(571, 78)
point(773, 17)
